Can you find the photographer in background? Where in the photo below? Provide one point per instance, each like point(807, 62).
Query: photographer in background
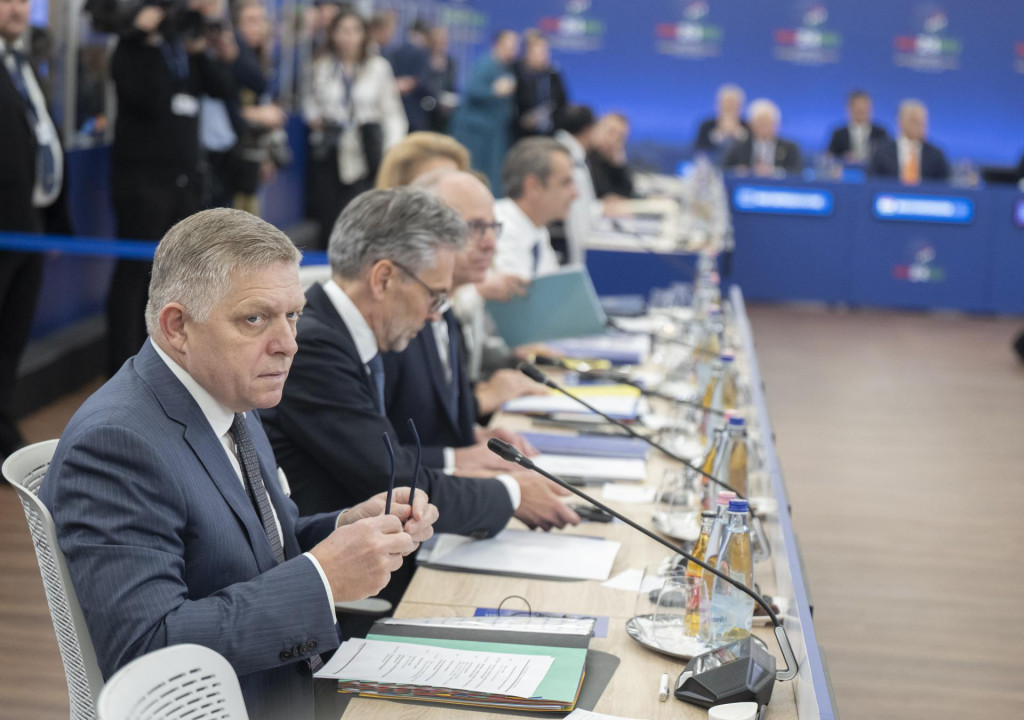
point(161, 69)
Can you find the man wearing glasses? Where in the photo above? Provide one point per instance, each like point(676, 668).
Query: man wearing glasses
point(392, 253)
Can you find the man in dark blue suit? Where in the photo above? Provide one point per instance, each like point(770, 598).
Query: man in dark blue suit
point(852, 142)
point(166, 495)
point(428, 382)
point(910, 157)
point(411, 65)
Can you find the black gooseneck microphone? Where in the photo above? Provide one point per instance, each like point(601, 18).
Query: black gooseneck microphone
point(507, 452)
point(537, 376)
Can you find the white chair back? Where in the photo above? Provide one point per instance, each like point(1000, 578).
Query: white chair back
point(178, 682)
point(25, 470)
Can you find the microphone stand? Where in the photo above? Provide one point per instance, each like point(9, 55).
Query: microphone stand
point(537, 376)
point(507, 452)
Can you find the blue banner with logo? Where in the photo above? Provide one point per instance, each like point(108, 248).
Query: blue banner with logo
point(661, 61)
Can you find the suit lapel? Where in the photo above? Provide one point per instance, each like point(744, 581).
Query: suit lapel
point(322, 307)
point(180, 407)
point(437, 375)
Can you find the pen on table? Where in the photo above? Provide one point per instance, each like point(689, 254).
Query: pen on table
point(419, 455)
point(391, 481)
point(663, 688)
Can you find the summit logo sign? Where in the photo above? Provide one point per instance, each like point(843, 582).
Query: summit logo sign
point(811, 42)
point(921, 268)
point(930, 48)
point(575, 31)
point(693, 37)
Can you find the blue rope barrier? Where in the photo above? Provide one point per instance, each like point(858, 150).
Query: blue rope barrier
point(103, 247)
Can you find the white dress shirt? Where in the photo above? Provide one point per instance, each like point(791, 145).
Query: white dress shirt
point(519, 237)
point(46, 132)
point(860, 137)
point(586, 208)
point(366, 346)
point(220, 419)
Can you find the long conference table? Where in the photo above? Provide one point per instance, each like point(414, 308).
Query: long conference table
point(632, 691)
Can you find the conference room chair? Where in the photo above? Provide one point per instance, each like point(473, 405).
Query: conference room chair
point(174, 683)
point(24, 470)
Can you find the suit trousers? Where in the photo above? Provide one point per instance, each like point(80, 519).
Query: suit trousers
point(20, 277)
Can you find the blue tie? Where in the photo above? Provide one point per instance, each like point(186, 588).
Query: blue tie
point(44, 153)
point(376, 366)
point(453, 360)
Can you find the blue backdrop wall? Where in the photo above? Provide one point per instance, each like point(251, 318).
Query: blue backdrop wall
point(661, 61)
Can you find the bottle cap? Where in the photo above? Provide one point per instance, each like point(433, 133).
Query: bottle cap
point(736, 505)
point(736, 420)
point(728, 414)
point(728, 356)
point(725, 496)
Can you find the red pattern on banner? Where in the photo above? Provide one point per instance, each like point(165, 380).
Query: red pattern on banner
point(785, 37)
point(549, 24)
point(905, 43)
point(665, 30)
point(1019, 47)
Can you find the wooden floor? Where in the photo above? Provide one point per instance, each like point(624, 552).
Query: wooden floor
point(902, 440)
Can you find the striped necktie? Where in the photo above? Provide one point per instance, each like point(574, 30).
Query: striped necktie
point(254, 483)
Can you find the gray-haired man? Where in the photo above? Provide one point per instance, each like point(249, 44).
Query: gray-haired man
point(165, 492)
point(392, 256)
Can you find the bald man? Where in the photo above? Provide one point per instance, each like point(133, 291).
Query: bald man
point(428, 381)
point(910, 157)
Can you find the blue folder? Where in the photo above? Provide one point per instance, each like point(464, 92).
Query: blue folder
point(561, 305)
point(588, 445)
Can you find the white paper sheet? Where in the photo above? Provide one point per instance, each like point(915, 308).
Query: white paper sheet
point(629, 493)
point(397, 663)
point(617, 406)
point(522, 552)
point(611, 469)
point(631, 580)
point(581, 714)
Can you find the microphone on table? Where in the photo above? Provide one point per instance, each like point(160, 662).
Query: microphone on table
point(722, 681)
point(537, 376)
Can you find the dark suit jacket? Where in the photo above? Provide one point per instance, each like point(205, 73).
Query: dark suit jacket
point(18, 169)
point(164, 546)
point(704, 141)
point(416, 388)
point(885, 161)
point(327, 434)
point(787, 155)
point(839, 145)
point(527, 98)
point(412, 60)
point(608, 178)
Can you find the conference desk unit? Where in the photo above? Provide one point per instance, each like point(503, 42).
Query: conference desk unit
point(879, 244)
point(632, 691)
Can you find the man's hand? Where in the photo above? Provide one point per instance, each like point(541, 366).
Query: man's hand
point(541, 505)
point(504, 86)
point(502, 287)
point(478, 461)
point(501, 387)
point(417, 521)
point(406, 84)
point(358, 559)
point(520, 443)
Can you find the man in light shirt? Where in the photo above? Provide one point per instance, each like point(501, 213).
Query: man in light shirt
point(166, 495)
point(910, 157)
point(538, 182)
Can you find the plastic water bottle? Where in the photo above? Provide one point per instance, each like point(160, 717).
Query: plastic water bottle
point(708, 350)
point(721, 510)
point(732, 611)
point(707, 520)
point(731, 460)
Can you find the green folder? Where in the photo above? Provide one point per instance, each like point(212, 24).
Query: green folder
point(563, 304)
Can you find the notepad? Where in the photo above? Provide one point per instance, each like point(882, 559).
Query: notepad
point(588, 445)
point(497, 662)
point(618, 348)
point(523, 553)
point(594, 468)
point(619, 401)
point(560, 305)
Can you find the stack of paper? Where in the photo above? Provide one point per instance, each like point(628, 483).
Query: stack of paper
point(619, 401)
point(490, 662)
point(618, 348)
point(588, 445)
point(593, 469)
point(521, 552)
